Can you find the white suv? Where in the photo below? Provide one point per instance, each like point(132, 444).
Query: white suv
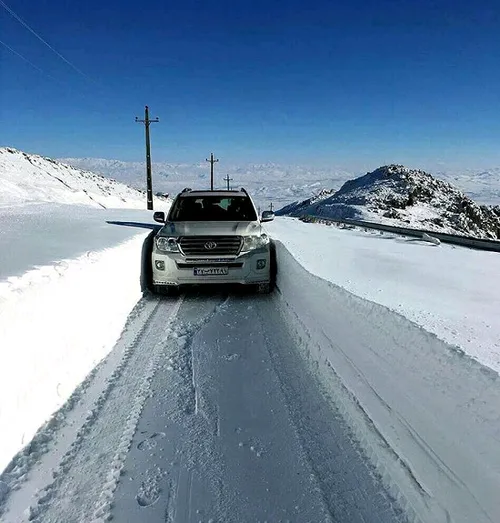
point(211, 237)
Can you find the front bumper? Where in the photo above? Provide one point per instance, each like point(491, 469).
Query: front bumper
point(247, 268)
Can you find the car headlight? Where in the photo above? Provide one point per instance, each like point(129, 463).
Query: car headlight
point(167, 244)
point(254, 242)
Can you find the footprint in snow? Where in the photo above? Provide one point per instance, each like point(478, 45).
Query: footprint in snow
point(151, 442)
point(254, 448)
point(149, 492)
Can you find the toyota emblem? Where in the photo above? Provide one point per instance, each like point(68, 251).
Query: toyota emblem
point(210, 245)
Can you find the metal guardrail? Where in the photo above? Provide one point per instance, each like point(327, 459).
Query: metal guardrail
point(465, 241)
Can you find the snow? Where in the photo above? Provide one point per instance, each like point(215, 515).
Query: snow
point(398, 196)
point(481, 185)
point(212, 408)
point(185, 431)
point(365, 386)
point(424, 413)
point(450, 291)
point(27, 178)
point(280, 184)
point(428, 238)
point(268, 182)
point(45, 233)
point(56, 323)
point(61, 251)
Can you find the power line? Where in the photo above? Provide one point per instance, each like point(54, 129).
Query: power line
point(22, 22)
point(26, 60)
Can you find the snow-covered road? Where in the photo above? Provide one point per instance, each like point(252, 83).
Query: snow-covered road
point(311, 404)
point(230, 432)
point(208, 415)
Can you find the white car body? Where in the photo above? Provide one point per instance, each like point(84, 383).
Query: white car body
point(199, 251)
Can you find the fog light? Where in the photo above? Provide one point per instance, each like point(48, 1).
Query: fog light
point(160, 265)
point(261, 264)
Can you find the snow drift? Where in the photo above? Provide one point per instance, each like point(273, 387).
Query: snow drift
point(56, 323)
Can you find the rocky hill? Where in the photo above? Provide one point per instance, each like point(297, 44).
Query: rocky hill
point(297, 208)
point(397, 195)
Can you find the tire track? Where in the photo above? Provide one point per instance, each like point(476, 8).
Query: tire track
point(175, 440)
point(103, 424)
point(30, 470)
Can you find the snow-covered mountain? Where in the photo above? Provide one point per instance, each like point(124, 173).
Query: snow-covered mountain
point(29, 178)
point(483, 186)
point(397, 195)
point(267, 183)
point(298, 208)
point(271, 182)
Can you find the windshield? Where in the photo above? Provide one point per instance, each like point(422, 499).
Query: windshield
point(213, 208)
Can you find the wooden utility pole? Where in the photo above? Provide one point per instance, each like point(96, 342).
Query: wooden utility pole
point(212, 161)
point(271, 207)
point(149, 182)
point(227, 181)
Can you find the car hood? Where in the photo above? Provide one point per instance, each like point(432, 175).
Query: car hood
point(210, 229)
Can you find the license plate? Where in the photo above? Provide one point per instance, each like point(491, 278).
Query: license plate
point(211, 271)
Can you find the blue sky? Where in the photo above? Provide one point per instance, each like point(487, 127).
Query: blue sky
point(350, 84)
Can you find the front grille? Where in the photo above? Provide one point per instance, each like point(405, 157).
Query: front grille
point(200, 245)
point(231, 265)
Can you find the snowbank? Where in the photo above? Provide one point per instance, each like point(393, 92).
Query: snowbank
point(452, 292)
point(56, 323)
point(424, 413)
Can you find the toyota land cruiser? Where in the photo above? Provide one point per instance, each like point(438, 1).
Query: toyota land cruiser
point(211, 237)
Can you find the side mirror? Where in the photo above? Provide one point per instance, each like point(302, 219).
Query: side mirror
point(267, 216)
point(159, 217)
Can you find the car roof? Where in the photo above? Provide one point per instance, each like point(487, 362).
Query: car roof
point(185, 194)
